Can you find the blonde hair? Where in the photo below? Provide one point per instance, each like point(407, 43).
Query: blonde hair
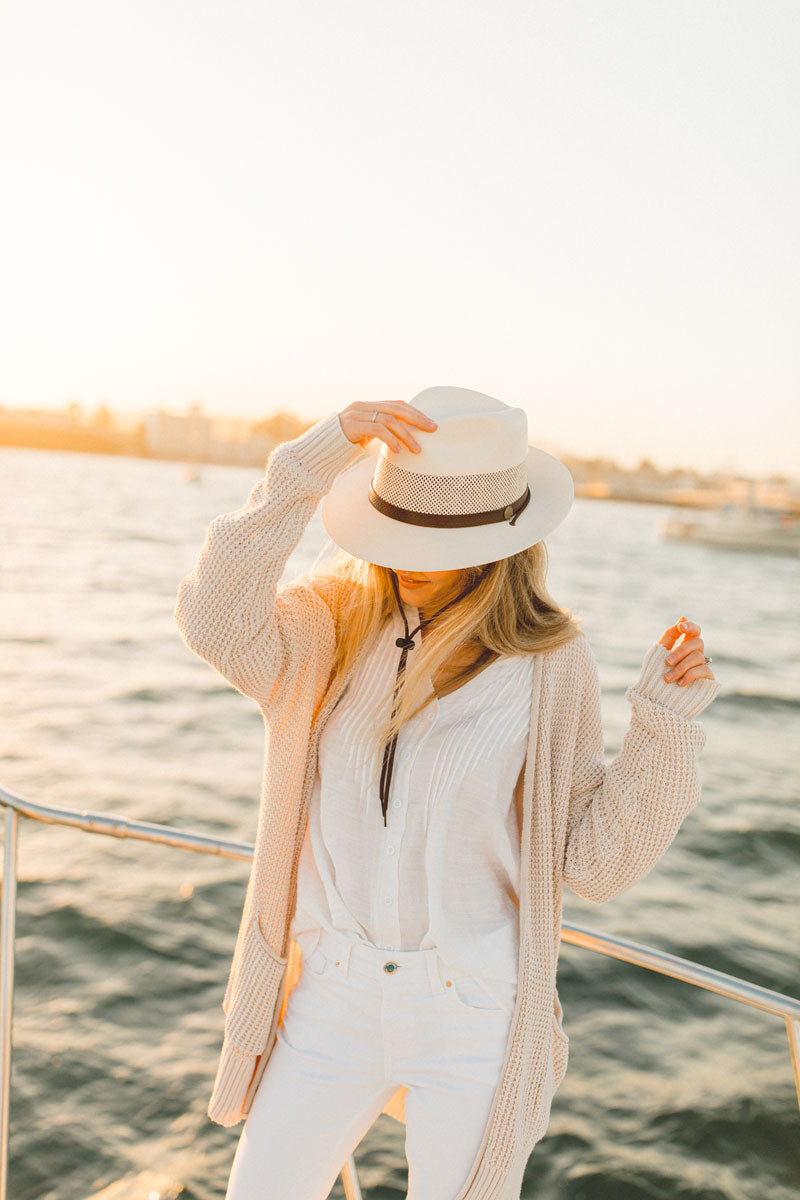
point(506, 610)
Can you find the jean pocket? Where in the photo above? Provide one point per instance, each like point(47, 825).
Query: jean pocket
point(477, 995)
point(318, 961)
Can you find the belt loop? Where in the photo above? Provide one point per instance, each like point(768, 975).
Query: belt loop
point(343, 956)
point(339, 948)
point(434, 972)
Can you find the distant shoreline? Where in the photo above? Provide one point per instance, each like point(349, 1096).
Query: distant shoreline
point(119, 445)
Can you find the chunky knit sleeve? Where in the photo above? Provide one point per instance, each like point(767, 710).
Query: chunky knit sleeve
point(229, 609)
point(623, 815)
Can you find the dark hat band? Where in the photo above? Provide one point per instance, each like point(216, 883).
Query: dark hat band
point(450, 520)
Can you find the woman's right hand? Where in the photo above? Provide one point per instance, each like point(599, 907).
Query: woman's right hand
point(390, 425)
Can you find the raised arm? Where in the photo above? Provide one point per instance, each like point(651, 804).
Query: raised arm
point(623, 816)
point(228, 609)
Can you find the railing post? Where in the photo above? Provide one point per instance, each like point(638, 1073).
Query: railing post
point(7, 921)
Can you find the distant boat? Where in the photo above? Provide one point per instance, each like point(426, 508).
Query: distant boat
point(738, 527)
point(192, 473)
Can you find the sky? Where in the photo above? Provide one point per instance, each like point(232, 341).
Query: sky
point(585, 208)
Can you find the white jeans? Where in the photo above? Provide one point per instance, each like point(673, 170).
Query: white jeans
point(352, 1033)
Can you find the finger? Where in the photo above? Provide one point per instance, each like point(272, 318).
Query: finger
point(391, 431)
point(696, 659)
point(380, 431)
point(401, 431)
point(682, 627)
point(695, 673)
point(399, 425)
point(683, 649)
point(399, 408)
point(415, 415)
point(670, 636)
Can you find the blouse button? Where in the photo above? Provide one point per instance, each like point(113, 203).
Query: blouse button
point(395, 804)
point(390, 849)
point(406, 755)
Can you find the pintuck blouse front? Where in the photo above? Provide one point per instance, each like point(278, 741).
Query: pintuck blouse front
point(445, 869)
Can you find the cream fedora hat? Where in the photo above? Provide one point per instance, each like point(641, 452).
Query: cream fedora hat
point(476, 492)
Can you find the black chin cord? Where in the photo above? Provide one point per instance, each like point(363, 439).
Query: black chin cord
point(405, 643)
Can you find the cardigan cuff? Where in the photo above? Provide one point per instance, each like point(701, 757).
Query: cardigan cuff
point(325, 450)
point(688, 701)
point(234, 1072)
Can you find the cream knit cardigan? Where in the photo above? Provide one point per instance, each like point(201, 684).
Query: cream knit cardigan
point(598, 828)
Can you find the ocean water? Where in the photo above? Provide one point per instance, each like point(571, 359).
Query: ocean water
point(122, 949)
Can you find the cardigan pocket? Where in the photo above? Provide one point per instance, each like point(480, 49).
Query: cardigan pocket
point(558, 1016)
point(254, 992)
point(560, 1053)
point(560, 1043)
point(559, 1032)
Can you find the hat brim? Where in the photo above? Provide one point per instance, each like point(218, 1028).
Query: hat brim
point(356, 526)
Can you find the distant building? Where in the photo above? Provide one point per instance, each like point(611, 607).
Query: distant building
point(167, 435)
point(198, 438)
point(282, 427)
point(44, 429)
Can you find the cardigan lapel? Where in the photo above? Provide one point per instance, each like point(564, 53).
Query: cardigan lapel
point(291, 952)
point(478, 1183)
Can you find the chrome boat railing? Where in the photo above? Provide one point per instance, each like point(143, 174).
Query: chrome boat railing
point(113, 825)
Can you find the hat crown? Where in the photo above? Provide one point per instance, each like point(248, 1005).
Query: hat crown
point(474, 461)
point(476, 434)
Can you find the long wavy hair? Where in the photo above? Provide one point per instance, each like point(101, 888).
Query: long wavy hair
point(505, 609)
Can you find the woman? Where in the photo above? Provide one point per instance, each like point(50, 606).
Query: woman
point(434, 773)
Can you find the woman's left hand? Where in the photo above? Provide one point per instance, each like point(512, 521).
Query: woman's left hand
point(686, 661)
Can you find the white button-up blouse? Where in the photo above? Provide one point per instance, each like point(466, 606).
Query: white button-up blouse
point(444, 871)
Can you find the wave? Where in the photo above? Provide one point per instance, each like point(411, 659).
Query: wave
point(753, 846)
point(31, 639)
point(738, 698)
point(156, 695)
point(748, 699)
